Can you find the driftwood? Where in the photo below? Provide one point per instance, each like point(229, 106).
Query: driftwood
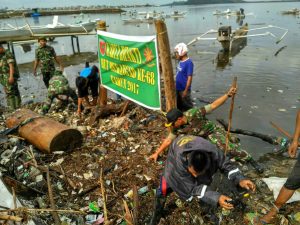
point(279, 50)
point(265, 137)
point(44, 133)
point(12, 218)
point(104, 111)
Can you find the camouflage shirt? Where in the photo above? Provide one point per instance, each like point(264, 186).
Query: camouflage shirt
point(58, 85)
point(5, 59)
point(46, 57)
point(196, 124)
point(199, 125)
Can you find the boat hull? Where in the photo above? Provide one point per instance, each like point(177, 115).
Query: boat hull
point(29, 33)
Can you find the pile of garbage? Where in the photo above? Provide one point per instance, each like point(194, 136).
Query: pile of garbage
point(109, 179)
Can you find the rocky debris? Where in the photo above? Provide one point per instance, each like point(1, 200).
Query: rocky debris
point(118, 147)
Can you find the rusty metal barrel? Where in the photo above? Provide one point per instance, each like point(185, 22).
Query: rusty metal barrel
point(44, 133)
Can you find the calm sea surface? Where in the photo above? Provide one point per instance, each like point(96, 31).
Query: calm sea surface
point(268, 84)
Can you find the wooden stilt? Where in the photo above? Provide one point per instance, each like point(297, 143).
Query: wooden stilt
point(72, 42)
point(77, 42)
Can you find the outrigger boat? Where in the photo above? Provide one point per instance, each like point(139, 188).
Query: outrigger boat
point(55, 29)
point(228, 38)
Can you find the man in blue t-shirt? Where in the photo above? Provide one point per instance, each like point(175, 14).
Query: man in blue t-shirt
point(184, 76)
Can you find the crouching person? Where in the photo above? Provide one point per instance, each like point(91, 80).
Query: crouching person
point(191, 163)
point(59, 88)
point(88, 81)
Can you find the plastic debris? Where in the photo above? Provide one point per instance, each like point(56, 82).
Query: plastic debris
point(276, 183)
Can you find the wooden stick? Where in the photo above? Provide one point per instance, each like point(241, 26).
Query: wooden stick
point(14, 136)
point(230, 115)
point(9, 217)
point(51, 199)
point(14, 197)
point(135, 205)
point(103, 196)
point(67, 179)
point(22, 209)
point(128, 216)
point(282, 131)
point(125, 108)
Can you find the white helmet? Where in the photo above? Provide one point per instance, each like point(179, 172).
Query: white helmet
point(181, 48)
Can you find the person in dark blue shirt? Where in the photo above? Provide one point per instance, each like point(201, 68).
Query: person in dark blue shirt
point(184, 76)
point(88, 79)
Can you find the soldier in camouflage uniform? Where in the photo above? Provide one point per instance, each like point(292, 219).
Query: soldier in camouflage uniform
point(193, 122)
point(58, 87)
point(9, 75)
point(45, 55)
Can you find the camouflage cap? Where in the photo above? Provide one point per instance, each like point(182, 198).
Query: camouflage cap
point(42, 38)
point(58, 72)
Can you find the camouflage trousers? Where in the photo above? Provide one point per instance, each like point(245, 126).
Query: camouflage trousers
point(13, 98)
point(234, 150)
point(70, 93)
point(47, 76)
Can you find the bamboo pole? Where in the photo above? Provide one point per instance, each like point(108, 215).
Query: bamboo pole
point(230, 115)
point(101, 25)
point(165, 58)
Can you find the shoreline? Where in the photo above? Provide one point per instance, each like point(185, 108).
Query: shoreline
point(65, 11)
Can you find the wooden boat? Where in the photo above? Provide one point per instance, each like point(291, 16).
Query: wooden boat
point(294, 11)
point(226, 37)
point(28, 32)
point(177, 14)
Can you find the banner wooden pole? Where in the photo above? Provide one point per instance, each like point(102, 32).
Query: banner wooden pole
point(165, 60)
point(101, 25)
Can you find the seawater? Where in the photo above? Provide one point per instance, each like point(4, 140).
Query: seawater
point(268, 85)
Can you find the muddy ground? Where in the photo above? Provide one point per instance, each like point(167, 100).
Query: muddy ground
point(119, 146)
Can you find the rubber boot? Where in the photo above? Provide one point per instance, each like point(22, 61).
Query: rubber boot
point(10, 100)
point(17, 101)
point(158, 210)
